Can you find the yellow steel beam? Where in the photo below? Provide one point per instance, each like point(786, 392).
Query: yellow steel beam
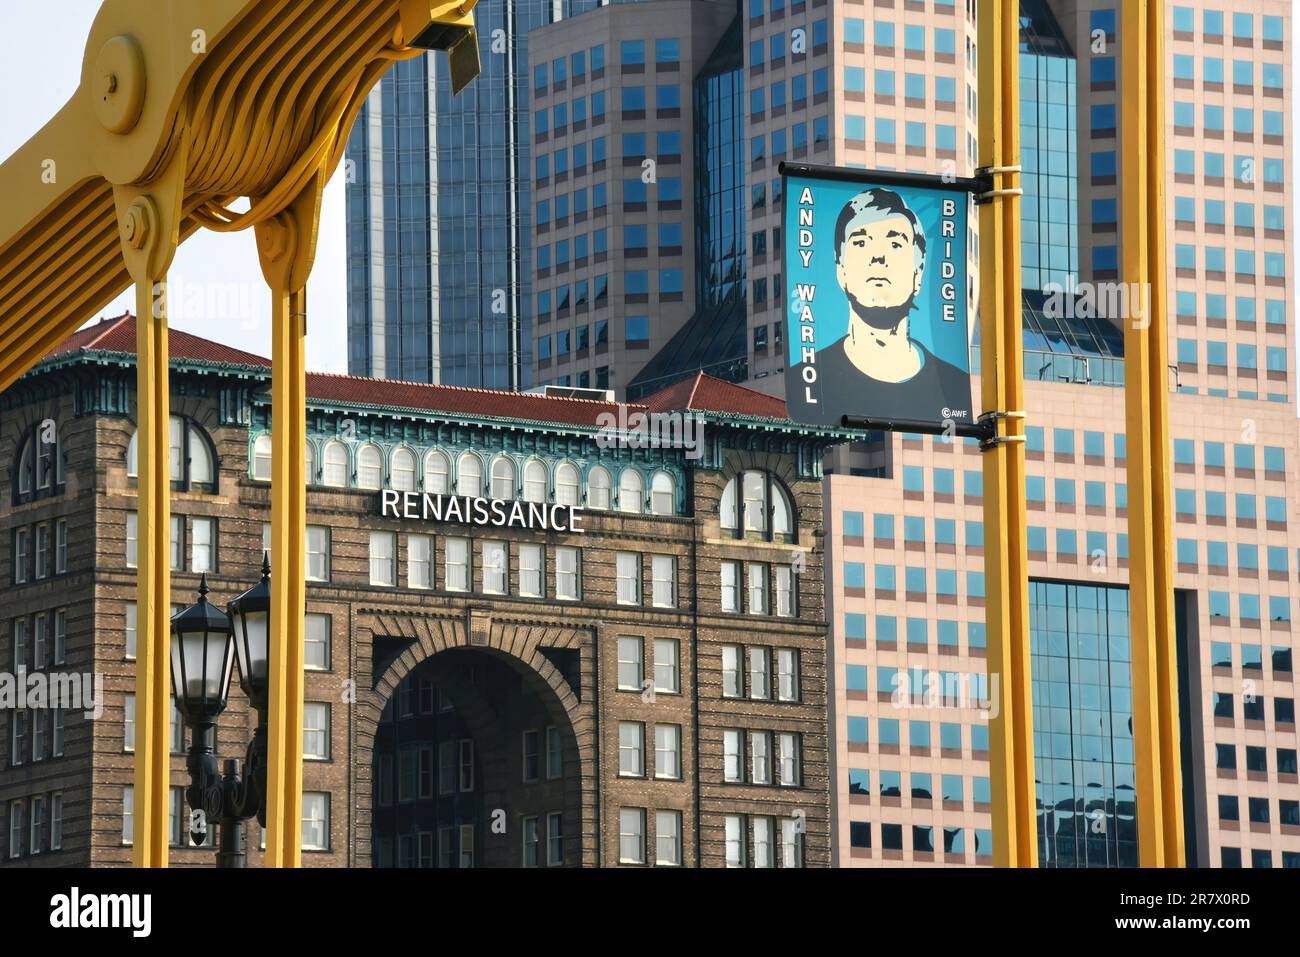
point(149, 228)
point(1146, 402)
point(183, 108)
point(1011, 749)
point(287, 247)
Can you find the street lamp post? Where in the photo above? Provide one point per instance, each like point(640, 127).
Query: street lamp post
point(205, 643)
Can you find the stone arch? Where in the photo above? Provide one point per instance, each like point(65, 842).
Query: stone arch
point(518, 645)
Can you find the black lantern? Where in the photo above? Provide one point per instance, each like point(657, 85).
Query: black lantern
point(205, 642)
point(250, 615)
point(201, 660)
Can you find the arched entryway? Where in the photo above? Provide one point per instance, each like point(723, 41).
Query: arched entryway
point(476, 763)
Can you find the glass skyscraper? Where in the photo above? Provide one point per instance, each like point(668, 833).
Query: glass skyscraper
point(1048, 151)
point(438, 213)
point(1081, 662)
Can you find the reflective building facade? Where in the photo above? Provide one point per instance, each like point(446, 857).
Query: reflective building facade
point(1083, 725)
point(1049, 151)
point(438, 213)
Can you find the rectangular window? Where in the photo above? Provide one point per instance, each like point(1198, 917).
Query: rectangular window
point(316, 731)
point(60, 546)
point(203, 545)
point(666, 666)
point(532, 842)
point(734, 829)
point(788, 752)
point(731, 586)
point(316, 643)
point(760, 669)
point(663, 574)
point(628, 571)
point(787, 674)
point(732, 671)
point(456, 566)
point(132, 534)
point(668, 838)
point(566, 573)
point(128, 814)
point(496, 571)
point(760, 757)
point(318, 553)
point(177, 542)
point(383, 558)
point(554, 839)
point(732, 757)
point(756, 577)
point(532, 769)
point(530, 570)
point(784, 591)
point(631, 749)
point(554, 754)
point(631, 659)
point(315, 821)
point(56, 821)
point(419, 561)
point(631, 835)
point(668, 751)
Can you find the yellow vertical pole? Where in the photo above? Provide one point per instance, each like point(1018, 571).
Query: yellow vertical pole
point(149, 231)
point(153, 581)
point(288, 577)
point(286, 247)
point(1011, 748)
point(1146, 402)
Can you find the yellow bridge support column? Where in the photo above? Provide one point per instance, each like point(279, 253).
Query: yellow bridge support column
point(1146, 401)
point(287, 246)
point(149, 229)
point(1011, 746)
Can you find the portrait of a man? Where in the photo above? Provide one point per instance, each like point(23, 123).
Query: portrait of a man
point(878, 368)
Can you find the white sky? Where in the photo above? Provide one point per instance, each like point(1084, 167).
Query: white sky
point(216, 286)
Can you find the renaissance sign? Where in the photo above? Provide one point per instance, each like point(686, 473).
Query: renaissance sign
point(485, 512)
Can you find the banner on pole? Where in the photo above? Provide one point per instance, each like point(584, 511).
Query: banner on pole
point(879, 326)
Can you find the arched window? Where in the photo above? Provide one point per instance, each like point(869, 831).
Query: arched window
point(663, 494)
point(370, 467)
point(25, 457)
point(39, 463)
point(631, 492)
point(566, 484)
point(469, 475)
point(190, 460)
point(402, 476)
point(309, 461)
point(262, 458)
point(535, 482)
point(503, 478)
point(437, 473)
point(599, 486)
point(336, 464)
point(756, 505)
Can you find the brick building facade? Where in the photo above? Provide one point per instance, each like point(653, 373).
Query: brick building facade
point(650, 689)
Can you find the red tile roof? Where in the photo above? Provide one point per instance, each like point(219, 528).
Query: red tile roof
point(701, 394)
point(118, 335)
point(704, 393)
point(456, 400)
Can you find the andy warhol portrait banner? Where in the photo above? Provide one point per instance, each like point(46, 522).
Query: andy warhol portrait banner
point(879, 328)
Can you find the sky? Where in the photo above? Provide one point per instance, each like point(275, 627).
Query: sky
point(215, 283)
